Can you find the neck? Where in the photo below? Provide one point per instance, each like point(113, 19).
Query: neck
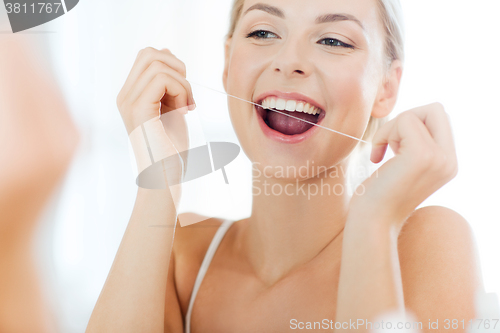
point(293, 221)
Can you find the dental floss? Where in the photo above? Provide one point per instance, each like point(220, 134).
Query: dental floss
point(244, 100)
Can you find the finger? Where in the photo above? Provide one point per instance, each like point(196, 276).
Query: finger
point(413, 135)
point(421, 148)
point(147, 76)
point(144, 58)
point(405, 132)
point(161, 85)
point(438, 124)
point(380, 141)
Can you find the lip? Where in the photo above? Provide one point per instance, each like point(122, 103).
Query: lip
point(282, 138)
point(288, 96)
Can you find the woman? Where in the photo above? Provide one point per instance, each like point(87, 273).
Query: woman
point(295, 260)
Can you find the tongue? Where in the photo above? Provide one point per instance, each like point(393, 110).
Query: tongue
point(288, 125)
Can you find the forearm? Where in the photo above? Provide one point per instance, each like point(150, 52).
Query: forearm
point(133, 297)
point(370, 277)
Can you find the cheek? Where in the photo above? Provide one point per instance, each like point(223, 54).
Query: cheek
point(244, 68)
point(356, 84)
point(352, 89)
point(347, 91)
point(243, 71)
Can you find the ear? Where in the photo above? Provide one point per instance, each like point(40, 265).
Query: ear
point(388, 92)
point(227, 47)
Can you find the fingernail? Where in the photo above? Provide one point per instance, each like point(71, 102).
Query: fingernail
point(192, 107)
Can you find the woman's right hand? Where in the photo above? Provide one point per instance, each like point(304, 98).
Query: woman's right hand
point(157, 81)
point(157, 86)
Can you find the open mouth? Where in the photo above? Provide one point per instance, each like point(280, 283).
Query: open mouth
point(293, 117)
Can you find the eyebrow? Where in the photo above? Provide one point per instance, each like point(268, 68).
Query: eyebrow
point(321, 19)
point(338, 17)
point(266, 8)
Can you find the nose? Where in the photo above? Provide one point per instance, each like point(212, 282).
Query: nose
point(292, 59)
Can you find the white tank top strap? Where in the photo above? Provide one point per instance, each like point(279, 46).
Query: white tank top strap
point(204, 266)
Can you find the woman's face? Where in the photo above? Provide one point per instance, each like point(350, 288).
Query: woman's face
point(327, 53)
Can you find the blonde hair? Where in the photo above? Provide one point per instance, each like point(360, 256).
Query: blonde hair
point(391, 15)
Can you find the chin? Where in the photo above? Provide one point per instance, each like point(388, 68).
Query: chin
point(290, 164)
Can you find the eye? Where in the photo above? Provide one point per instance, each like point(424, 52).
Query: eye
point(334, 43)
point(262, 34)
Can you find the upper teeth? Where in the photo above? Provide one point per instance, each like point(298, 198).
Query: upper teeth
point(289, 105)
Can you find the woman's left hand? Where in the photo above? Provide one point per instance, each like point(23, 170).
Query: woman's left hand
point(425, 160)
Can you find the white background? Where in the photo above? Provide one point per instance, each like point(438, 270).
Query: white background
point(453, 56)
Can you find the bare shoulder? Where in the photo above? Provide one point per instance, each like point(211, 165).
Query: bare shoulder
point(439, 225)
point(439, 264)
point(190, 245)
